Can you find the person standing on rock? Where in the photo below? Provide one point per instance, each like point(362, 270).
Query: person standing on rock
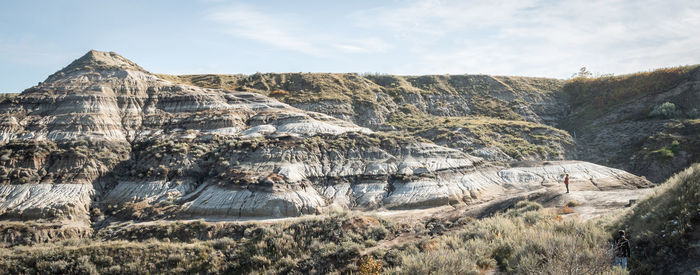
point(621, 248)
point(566, 182)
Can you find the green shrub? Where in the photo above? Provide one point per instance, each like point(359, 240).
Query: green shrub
point(664, 153)
point(693, 113)
point(665, 110)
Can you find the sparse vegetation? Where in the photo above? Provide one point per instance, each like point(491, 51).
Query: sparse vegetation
point(646, 111)
point(525, 240)
point(566, 210)
point(518, 139)
point(4, 96)
point(313, 245)
point(676, 140)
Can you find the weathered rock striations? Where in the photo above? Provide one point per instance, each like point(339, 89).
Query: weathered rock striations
point(75, 128)
point(105, 139)
point(609, 118)
point(387, 102)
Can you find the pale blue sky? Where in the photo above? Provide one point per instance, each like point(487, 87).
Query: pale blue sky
point(509, 37)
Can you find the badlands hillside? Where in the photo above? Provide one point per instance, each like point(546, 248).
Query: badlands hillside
point(104, 150)
point(609, 120)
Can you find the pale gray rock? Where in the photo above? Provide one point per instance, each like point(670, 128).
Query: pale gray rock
point(46, 201)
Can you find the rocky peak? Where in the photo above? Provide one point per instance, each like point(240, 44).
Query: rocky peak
point(97, 60)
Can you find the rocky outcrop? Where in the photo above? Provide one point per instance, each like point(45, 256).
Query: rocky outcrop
point(400, 103)
point(611, 126)
point(104, 140)
point(66, 136)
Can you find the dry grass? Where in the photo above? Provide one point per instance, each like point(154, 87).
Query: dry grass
point(566, 210)
point(4, 96)
point(603, 92)
point(370, 266)
point(229, 82)
point(482, 91)
point(525, 240)
point(314, 245)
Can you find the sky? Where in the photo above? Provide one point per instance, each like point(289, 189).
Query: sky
point(544, 38)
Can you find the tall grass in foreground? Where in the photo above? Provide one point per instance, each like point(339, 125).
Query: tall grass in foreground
point(526, 240)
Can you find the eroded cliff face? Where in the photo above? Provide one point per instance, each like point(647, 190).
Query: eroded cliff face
point(65, 139)
point(104, 140)
point(604, 120)
point(513, 114)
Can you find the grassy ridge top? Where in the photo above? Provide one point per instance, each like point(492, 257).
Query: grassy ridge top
point(602, 92)
point(307, 87)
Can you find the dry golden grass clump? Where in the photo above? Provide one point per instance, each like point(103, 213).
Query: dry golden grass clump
point(279, 93)
point(370, 266)
point(566, 210)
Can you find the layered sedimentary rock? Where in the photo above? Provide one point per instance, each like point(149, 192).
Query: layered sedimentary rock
point(611, 119)
point(105, 139)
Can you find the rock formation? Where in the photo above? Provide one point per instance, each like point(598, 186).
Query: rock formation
point(104, 140)
point(607, 120)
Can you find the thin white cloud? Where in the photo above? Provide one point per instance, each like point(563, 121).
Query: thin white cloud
point(366, 45)
point(540, 37)
point(282, 31)
point(242, 21)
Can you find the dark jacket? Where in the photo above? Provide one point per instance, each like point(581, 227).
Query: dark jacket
point(622, 247)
